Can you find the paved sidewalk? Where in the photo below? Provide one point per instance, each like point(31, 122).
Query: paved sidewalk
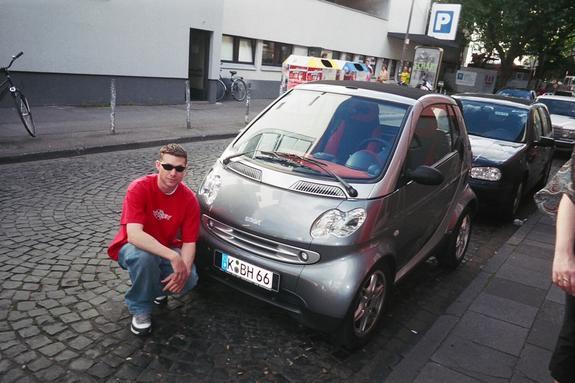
point(69, 130)
point(503, 327)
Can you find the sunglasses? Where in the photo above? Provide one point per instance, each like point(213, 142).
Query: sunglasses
point(169, 167)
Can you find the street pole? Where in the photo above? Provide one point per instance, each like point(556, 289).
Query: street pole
point(405, 43)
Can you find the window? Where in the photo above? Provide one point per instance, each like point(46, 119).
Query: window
point(237, 49)
point(432, 138)
point(275, 53)
point(314, 52)
point(537, 126)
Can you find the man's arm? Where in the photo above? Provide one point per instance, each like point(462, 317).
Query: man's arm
point(142, 240)
point(564, 259)
point(189, 254)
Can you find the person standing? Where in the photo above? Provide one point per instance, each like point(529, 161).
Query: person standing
point(558, 197)
point(383, 75)
point(404, 76)
point(156, 242)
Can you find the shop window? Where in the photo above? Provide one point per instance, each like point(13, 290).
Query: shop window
point(275, 53)
point(237, 49)
point(314, 52)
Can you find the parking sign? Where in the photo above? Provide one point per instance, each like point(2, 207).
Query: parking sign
point(443, 21)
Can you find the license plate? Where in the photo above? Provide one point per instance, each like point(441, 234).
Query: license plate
point(246, 271)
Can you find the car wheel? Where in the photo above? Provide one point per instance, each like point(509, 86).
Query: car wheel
point(457, 242)
point(367, 308)
point(514, 202)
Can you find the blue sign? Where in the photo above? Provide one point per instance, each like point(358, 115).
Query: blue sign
point(443, 21)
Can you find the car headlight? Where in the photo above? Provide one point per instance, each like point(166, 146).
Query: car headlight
point(485, 173)
point(210, 187)
point(338, 223)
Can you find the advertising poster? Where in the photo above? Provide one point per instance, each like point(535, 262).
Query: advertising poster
point(426, 63)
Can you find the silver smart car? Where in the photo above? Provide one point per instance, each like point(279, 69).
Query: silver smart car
point(332, 194)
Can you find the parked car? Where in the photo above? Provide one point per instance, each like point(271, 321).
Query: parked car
point(512, 145)
point(562, 110)
point(524, 93)
point(333, 193)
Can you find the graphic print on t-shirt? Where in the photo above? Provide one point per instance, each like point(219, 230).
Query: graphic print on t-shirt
point(161, 215)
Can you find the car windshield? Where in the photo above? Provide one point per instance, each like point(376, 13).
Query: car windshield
point(352, 137)
point(493, 120)
point(518, 93)
point(564, 108)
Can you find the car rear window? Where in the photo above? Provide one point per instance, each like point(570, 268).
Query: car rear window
point(564, 108)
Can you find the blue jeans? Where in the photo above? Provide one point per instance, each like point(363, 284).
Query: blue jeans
point(146, 272)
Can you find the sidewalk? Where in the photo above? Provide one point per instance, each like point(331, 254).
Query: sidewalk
point(69, 130)
point(503, 327)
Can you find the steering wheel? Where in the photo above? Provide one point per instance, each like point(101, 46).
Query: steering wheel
point(384, 143)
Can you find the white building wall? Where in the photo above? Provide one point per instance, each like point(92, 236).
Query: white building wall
point(148, 38)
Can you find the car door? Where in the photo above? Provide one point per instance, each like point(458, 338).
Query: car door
point(435, 143)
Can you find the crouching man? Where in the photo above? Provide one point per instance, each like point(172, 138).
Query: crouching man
point(156, 242)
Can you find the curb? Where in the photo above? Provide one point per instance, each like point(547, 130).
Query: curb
point(109, 148)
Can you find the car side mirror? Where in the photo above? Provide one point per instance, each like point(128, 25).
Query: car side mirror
point(425, 175)
point(546, 142)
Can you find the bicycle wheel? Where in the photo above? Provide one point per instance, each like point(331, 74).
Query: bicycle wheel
point(220, 90)
point(239, 90)
point(23, 109)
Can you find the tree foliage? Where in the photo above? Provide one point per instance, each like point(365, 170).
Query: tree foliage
point(508, 29)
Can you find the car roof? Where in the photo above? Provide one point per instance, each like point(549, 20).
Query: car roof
point(514, 88)
point(555, 97)
point(402, 91)
point(495, 98)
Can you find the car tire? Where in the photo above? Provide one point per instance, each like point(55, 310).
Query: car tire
point(367, 308)
point(513, 203)
point(454, 250)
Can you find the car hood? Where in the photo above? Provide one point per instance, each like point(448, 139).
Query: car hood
point(284, 215)
point(492, 150)
point(563, 121)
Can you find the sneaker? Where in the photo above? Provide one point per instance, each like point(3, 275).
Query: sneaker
point(160, 301)
point(141, 324)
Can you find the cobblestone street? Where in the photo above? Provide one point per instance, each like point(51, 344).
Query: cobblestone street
point(62, 315)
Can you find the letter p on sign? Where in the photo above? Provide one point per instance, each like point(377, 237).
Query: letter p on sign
point(443, 21)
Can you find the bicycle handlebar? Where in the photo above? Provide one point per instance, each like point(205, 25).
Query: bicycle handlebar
point(12, 61)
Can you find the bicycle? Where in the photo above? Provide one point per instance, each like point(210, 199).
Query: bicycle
point(236, 86)
point(22, 106)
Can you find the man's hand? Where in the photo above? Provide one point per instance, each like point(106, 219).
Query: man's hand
point(176, 281)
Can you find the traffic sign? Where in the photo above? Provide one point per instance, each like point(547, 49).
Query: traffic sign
point(443, 21)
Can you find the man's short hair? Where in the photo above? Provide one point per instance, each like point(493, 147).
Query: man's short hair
point(174, 150)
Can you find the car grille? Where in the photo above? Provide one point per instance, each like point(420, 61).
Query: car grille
point(561, 134)
point(318, 189)
point(248, 171)
point(258, 245)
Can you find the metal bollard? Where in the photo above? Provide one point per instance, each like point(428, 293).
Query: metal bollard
point(188, 106)
point(113, 106)
point(248, 96)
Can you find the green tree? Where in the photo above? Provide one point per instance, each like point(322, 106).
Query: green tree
point(513, 28)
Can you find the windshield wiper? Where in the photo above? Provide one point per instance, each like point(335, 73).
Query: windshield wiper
point(351, 191)
point(226, 160)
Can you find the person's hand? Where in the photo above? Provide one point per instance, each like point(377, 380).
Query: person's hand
point(563, 274)
point(175, 282)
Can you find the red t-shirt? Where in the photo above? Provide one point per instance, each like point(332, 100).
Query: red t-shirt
point(171, 219)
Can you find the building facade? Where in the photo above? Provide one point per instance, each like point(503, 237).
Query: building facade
point(73, 48)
